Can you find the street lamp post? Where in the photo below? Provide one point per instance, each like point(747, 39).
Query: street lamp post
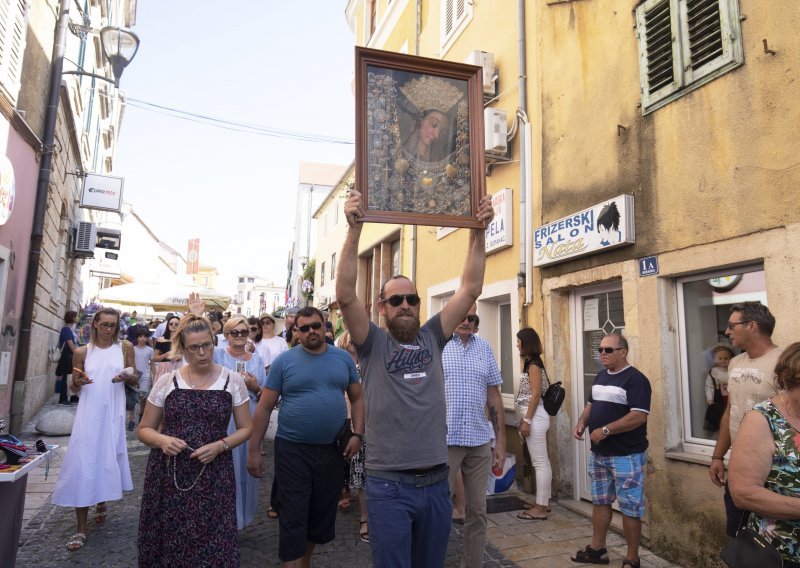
point(119, 47)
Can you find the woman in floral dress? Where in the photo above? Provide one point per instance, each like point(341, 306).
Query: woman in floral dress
point(188, 511)
point(764, 474)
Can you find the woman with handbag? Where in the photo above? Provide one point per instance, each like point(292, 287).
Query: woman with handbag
point(534, 422)
point(764, 472)
point(188, 510)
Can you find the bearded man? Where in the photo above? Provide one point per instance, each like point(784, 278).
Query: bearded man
point(409, 507)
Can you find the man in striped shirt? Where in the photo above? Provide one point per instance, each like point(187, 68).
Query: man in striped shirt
point(616, 416)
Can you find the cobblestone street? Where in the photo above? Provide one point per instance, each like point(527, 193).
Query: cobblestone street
point(114, 543)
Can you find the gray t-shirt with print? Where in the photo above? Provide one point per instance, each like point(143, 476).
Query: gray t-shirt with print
point(404, 399)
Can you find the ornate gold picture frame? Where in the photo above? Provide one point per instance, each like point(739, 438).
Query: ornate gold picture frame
point(419, 139)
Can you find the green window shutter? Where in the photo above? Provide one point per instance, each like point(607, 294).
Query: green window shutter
point(659, 57)
point(710, 37)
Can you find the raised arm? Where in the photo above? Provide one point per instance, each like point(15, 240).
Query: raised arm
point(472, 278)
point(353, 309)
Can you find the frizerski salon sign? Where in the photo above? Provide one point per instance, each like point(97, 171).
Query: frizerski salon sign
point(604, 226)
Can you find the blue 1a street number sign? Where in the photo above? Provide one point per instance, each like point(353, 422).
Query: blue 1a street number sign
point(648, 266)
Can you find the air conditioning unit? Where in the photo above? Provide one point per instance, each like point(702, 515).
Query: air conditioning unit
point(85, 239)
point(496, 132)
point(486, 60)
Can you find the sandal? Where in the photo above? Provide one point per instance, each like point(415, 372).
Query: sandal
point(525, 516)
point(531, 506)
point(100, 513)
point(364, 531)
point(632, 563)
point(76, 541)
point(591, 556)
point(272, 513)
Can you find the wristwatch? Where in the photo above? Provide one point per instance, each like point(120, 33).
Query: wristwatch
point(527, 420)
point(225, 445)
point(359, 436)
point(606, 431)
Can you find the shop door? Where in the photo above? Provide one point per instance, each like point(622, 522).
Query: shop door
point(596, 312)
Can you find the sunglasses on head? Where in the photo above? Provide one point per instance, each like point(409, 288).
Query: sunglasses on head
point(239, 333)
point(608, 350)
point(305, 328)
point(396, 299)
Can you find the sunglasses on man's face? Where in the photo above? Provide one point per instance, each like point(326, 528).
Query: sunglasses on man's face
point(239, 333)
point(254, 328)
point(267, 322)
point(609, 350)
point(396, 299)
point(305, 328)
point(471, 318)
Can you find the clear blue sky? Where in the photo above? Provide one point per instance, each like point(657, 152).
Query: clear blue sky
point(285, 65)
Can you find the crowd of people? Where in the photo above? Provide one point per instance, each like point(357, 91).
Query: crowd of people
point(408, 416)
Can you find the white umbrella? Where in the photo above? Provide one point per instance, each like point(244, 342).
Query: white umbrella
point(162, 297)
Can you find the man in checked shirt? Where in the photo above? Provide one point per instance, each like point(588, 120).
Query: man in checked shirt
point(471, 383)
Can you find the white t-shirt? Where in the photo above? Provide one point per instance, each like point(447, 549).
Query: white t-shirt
point(269, 349)
point(165, 385)
point(143, 357)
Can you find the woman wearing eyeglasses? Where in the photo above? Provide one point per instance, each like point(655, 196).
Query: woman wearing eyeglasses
point(95, 469)
point(534, 422)
point(188, 510)
point(236, 357)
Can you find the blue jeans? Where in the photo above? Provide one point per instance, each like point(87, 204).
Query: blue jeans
point(408, 526)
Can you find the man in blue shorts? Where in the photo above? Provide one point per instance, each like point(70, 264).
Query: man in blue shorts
point(616, 416)
point(311, 380)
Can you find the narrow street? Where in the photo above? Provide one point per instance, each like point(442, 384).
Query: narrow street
point(512, 542)
point(48, 527)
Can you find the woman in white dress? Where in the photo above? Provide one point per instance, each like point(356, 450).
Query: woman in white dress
point(95, 469)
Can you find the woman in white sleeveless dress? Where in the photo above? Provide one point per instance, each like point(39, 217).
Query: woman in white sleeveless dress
point(95, 468)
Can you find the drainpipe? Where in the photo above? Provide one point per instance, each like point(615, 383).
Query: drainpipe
point(40, 206)
point(523, 277)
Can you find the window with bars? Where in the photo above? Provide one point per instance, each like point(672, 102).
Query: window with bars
point(455, 15)
point(683, 44)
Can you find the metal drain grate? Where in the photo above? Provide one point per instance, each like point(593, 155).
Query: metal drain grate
point(504, 504)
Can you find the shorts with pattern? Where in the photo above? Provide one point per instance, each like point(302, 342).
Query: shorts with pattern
point(621, 478)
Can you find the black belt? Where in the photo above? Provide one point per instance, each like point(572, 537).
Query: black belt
point(415, 479)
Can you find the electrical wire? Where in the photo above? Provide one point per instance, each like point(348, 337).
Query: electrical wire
point(235, 126)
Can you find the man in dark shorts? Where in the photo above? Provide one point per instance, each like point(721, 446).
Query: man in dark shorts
point(311, 380)
point(408, 498)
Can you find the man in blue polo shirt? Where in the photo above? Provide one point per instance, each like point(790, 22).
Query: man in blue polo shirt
point(616, 416)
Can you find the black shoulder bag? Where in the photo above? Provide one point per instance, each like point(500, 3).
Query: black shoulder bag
point(553, 397)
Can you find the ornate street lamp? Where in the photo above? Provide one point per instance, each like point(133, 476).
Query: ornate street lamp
point(119, 48)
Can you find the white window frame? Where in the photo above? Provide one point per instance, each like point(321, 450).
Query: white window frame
point(684, 78)
point(692, 444)
point(457, 24)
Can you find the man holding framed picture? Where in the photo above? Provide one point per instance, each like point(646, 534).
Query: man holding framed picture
point(406, 463)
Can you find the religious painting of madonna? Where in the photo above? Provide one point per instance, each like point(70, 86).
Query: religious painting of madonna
point(419, 139)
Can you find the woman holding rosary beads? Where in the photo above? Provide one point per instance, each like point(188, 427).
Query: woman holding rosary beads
point(188, 510)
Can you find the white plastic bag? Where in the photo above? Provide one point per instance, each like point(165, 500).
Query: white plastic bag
point(505, 481)
point(273, 425)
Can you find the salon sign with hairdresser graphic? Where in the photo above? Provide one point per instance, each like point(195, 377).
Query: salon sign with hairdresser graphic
point(604, 226)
